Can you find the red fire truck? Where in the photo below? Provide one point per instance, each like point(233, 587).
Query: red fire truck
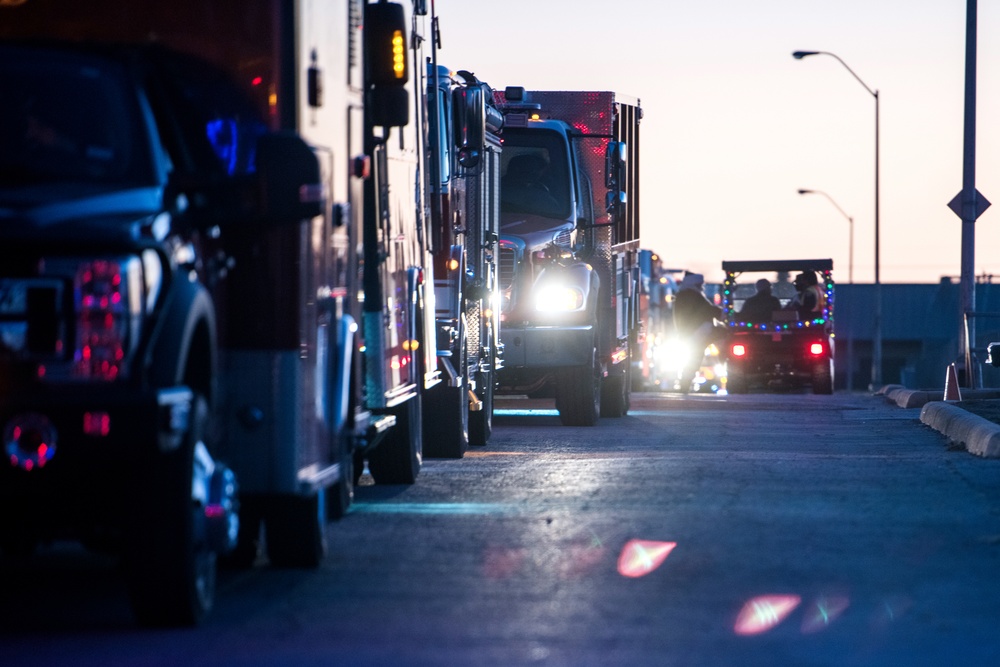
point(569, 247)
point(465, 221)
point(215, 283)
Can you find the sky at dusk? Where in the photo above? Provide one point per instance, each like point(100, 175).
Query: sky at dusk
point(734, 126)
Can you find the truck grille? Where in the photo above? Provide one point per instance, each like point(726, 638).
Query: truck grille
point(508, 266)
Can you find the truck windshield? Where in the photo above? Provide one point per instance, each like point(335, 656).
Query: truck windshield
point(535, 173)
point(67, 120)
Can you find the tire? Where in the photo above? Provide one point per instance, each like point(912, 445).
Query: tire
point(249, 545)
point(481, 421)
point(295, 530)
point(446, 426)
point(341, 495)
point(736, 382)
point(578, 394)
point(822, 378)
point(616, 392)
point(170, 570)
point(397, 459)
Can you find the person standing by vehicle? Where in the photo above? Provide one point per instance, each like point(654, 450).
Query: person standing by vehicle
point(695, 323)
point(810, 299)
point(760, 306)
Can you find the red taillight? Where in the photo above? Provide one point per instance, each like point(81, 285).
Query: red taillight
point(96, 424)
point(102, 320)
point(739, 350)
point(816, 349)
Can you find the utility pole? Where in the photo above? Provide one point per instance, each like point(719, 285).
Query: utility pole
point(969, 204)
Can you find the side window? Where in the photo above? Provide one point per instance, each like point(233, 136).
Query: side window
point(215, 127)
point(442, 130)
point(234, 142)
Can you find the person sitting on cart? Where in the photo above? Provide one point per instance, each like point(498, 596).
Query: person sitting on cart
point(761, 306)
point(810, 299)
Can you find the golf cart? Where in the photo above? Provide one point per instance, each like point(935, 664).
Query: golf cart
point(789, 345)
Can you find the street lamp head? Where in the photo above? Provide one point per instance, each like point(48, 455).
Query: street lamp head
point(805, 192)
point(799, 55)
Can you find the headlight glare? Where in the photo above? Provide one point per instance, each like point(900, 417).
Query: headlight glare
point(558, 299)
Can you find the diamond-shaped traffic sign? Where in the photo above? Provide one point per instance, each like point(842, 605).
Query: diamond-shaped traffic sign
point(981, 205)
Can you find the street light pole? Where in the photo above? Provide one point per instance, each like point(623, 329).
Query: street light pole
point(877, 336)
point(850, 221)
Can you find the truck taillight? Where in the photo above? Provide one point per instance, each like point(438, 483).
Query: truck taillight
point(739, 350)
point(108, 293)
point(816, 349)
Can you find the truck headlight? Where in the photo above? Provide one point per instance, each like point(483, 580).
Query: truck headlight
point(559, 299)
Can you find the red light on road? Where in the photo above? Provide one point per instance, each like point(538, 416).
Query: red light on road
point(816, 349)
point(640, 557)
point(739, 350)
point(764, 612)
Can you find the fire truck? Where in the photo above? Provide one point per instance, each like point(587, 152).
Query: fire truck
point(464, 197)
point(569, 244)
point(216, 293)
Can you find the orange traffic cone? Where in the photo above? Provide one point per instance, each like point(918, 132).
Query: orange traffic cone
point(951, 391)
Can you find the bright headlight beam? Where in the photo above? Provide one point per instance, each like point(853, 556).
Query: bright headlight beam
point(558, 298)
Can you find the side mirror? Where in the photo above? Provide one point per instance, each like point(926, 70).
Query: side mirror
point(993, 354)
point(290, 186)
point(387, 73)
point(614, 166)
point(616, 199)
point(470, 124)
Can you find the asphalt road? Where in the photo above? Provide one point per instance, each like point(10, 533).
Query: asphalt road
point(701, 530)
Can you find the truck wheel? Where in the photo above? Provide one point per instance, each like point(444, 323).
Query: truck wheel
point(446, 428)
point(578, 394)
point(616, 392)
point(169, 568)
point(295, 530)
point(397, 459)
point(481, 422)
point(822, 378)
point(736, 382)
point(341, 495)
point(248, 543)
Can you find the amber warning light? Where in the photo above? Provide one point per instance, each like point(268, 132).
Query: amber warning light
point(398, 54)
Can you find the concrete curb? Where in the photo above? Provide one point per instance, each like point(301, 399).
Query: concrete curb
point(917, 398)
point(979, 436)
point(912, 398)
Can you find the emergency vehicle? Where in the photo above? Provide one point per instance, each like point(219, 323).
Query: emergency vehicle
point(216, 293)
point(464, 193)
point(569, 245)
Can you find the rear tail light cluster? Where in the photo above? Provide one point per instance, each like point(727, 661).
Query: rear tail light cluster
point(108, 295)
point(816, 349)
